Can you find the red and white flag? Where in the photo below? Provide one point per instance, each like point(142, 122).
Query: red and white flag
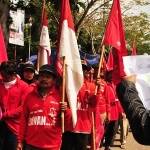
point(3, 53)
point(68, 48)
point(45, 49)
point(114, 32)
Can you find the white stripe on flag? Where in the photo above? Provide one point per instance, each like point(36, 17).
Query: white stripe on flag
point(74, 76)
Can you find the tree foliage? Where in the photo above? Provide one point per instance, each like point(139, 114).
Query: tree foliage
point(137, 28)
point(90, 17)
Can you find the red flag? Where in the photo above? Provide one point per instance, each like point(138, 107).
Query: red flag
point(3, 53)
point(110, 61)
point(118, 67)
point(45, 49)
point(133, 49)
point(114, 32)
point(68, 48)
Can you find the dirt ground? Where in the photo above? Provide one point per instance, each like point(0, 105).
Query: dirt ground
point(130, 145)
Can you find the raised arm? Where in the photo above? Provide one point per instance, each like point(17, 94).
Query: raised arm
point(138, 116)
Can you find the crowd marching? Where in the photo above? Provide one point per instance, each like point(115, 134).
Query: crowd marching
point(30, 110)
point(42, 110)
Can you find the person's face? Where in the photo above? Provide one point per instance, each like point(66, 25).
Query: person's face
point(28, 74)
point(46, 80)
point(7, 77)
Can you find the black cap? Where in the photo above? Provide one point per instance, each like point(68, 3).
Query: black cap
point(85, 66)
point(29, 67)
point(48, 69)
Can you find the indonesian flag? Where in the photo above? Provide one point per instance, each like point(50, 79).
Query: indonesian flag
point(114, 32)
point(45, 49)
point(68, 48)
point(3, 53)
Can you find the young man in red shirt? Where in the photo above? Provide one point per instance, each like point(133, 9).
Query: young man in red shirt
point(12, 95)
point(102, 110)
point(40, 126)
point(110, 128)
point(77, 138)
point(28, 73)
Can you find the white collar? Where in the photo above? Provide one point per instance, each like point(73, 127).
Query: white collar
point(10, 84)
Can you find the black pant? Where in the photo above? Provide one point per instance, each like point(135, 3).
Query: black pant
point(8, 140)
point(74, 141)
point(29, 147)
point(110, 132)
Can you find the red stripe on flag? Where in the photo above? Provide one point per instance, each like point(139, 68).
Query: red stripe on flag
point(3, 53)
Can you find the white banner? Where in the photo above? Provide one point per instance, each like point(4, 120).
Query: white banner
point(16, 29)
point(140, 65)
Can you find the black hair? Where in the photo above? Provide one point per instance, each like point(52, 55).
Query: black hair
point(8, 67)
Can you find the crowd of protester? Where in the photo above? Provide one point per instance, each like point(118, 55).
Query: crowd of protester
point(30, 110)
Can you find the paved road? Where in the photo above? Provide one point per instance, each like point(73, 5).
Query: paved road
point(130, 145)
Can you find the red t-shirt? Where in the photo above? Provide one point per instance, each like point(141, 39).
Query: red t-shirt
point(103, 102)
point(41, 121)
point(84, 104)
point(111, 95)
point(11, 102)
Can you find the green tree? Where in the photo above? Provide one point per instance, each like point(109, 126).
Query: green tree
point(90, 17)
point(137, 28)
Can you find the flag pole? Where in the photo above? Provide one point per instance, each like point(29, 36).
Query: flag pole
point(100, 65)
point(93, 132)
point(96, 88)
point(15, 52)
point(63, 93)
point(39, 48)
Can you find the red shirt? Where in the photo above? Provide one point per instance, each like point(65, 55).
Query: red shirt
point(11, 101)
point(83, 108)
point(111, 95)
point(103, 102)
point(41, 122)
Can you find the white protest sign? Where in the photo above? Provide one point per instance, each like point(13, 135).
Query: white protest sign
point(140, 65)
point(16, 29)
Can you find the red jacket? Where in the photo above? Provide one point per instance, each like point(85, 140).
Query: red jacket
point(103, 102)
point(11, 101)
point(84, 104)
point(111, 95)
point(41, 122)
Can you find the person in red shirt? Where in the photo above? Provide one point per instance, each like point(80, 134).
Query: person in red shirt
point(77, 138)
point(40, 126)
point(12, 95)
point(114, 113)
point(28, 73)
point(102, 110)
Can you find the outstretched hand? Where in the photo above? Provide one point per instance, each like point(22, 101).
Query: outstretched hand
point(131, 78)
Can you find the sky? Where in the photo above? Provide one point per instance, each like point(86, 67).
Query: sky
point(137, 9)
